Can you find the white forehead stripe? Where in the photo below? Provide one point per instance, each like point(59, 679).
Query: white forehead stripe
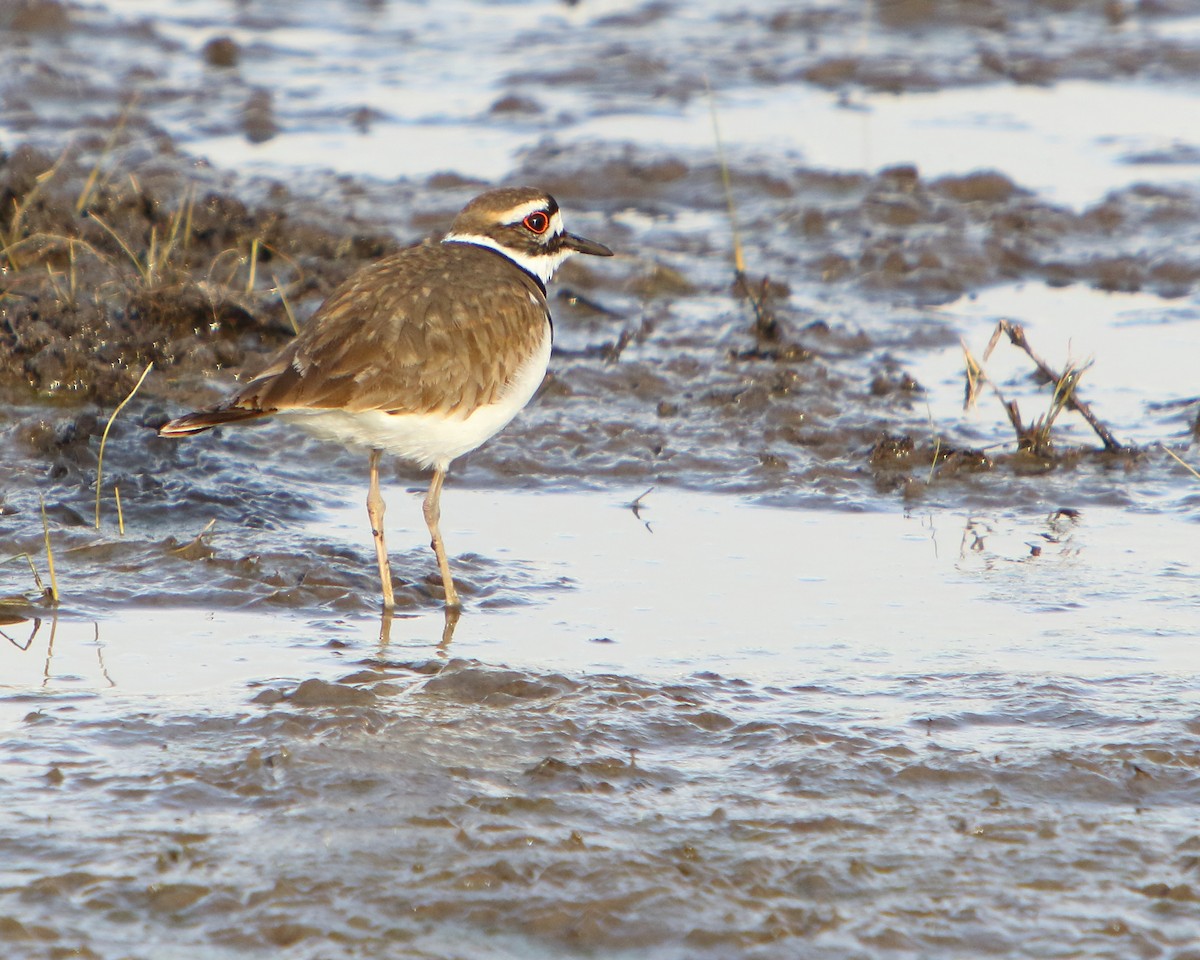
point(517, 214)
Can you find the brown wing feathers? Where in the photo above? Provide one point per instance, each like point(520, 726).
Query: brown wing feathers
point(434, 328)
point(203, 420)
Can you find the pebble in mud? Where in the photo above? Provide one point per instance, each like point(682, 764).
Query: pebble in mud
point(258, 116)
point(36, 16)
point(221, 52)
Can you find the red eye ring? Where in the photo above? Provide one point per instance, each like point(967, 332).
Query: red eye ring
point(537, 222)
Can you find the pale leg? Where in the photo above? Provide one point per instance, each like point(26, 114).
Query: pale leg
point(375, 508)
point(433, 513)
point(452, 615)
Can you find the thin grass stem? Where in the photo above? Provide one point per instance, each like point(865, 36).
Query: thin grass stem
point(287, 307)
point(1183, 463)
point(253, 267)
point(89, 186)
point(104, 438)
point(128, 252)
point(739, 260)
point(49, 553)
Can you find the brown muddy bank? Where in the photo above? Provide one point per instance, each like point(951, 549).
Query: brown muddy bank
point(122, 248)
point(662, 372)
point(134, 251)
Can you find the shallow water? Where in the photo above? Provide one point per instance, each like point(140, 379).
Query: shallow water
point(715, 727)
point(702, 583)
point(731, 682)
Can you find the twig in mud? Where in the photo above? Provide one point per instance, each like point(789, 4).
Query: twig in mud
point(104, 440)
point(1183, 463)
point(611, 352)
point(765, 324)
point(636, 506)
point(1036, 436)
point(1064, 384)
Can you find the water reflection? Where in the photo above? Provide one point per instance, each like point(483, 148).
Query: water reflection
point(451, 616)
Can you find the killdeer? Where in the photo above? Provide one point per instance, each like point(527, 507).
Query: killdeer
point(424, 354)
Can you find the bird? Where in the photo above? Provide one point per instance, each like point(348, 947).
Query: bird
point(424, 354)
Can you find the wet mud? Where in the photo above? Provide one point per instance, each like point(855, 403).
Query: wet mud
point(761, 741)
point(447, 808)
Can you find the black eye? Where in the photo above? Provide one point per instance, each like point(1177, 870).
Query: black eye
point(537, 222)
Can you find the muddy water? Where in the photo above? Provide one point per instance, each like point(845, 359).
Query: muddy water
point(770, 649)
point(770, 748)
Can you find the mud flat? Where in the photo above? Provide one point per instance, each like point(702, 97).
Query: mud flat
point(771, 648)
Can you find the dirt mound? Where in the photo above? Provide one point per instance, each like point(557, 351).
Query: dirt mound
point(108, 273)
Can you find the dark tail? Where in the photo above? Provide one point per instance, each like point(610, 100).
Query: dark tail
point(203, 420)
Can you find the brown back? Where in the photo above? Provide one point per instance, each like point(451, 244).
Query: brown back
point(434, 328)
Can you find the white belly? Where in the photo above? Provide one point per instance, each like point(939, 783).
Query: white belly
point(429, 439)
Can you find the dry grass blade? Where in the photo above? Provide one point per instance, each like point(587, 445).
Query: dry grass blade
point(976, 378)
point(41, 587)
point(59, 293)
point(937, 441)
point(287, 307)
point(178, 234)
point(253, 266)
point(987, 353)
point(89, 186)
point(52, 594)
point(212, 268)
point(1064, 390)
point(104, 440)
point(765, 323)
point(1183, 463)
point(142, 269)
point(1038, 437)
point(739, 262)
point(12, 238)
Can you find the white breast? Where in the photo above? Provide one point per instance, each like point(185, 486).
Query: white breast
point(430, 439)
